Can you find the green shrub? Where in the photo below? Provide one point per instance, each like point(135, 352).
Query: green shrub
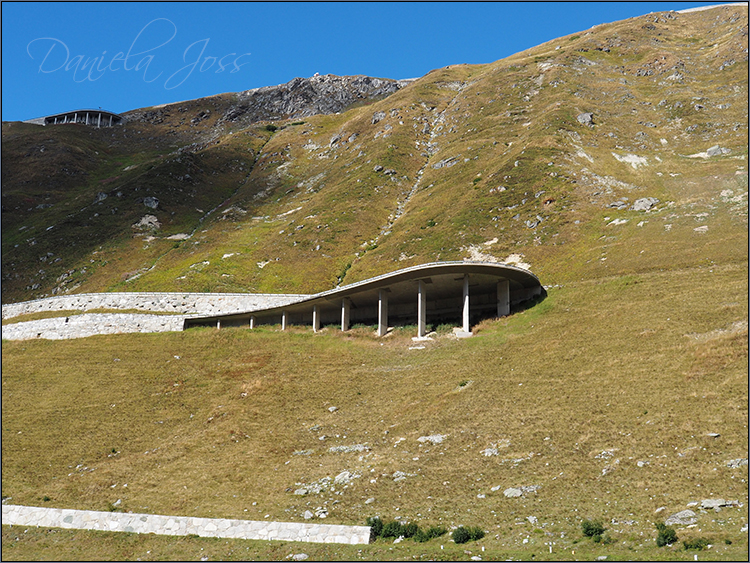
point(427, 535)
point(436, 531)
point(392, 530)
point(603, 539)
point(421, 536)
point(409, 530)
point(696, 543)
point(593, 529)
point(666, 534)
point(271, 128)
point(476, 533)
point(463, 535)
point(460, 535)
point(376, 526)
point(395, 529)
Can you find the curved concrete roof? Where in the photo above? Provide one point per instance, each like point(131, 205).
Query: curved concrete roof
point(443, 284)
point(78, 115)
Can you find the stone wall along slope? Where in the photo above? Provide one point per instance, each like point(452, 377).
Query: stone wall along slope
point(15, 515)
point(184, 303)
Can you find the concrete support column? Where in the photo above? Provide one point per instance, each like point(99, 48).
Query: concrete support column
point(345, 308)
point(382, 312)
point(87, 118)
point(218, 324)
point(252, 321)
point(283, 320)
point(99, 124)
point(110, 121)
point(421, 310)
point(503, 298)
point(466, 326)
point(316, 318)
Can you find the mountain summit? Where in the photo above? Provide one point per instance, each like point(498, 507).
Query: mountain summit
point(298, 98)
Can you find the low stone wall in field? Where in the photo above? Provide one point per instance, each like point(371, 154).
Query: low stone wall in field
point(183, 525)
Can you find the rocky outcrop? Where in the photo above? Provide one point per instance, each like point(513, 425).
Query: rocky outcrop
point(682, 518)
point(303, 97)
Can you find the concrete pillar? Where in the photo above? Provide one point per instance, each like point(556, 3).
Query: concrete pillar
point(218, 324)
point(87, 118)
point(252, 321)
point(316, 318)
point(99, 124)
point(382, 312)
point(421, 310)
point(503, 298)
point(110, 121)
point(466, 326)
point(283, 320)
point(345, 309)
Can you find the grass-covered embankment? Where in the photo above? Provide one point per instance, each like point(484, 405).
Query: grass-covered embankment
point(571, 394)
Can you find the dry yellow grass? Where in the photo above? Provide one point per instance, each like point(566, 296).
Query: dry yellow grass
point(572, 394)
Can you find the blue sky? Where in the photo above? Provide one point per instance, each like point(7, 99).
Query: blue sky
point(122, 56)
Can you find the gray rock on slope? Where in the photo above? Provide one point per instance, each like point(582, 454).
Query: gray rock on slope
point(644, 203)
point(682, 518)
point(303, 97)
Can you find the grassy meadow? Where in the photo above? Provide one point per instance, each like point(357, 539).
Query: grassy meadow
point(571, 395)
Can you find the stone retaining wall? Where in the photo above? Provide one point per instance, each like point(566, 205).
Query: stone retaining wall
point(183, 303)
point(183, 525)
point(90, 324)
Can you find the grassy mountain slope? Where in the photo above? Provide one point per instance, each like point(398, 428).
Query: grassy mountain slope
point(459, 158)
point(603, 397)
point(606, 396)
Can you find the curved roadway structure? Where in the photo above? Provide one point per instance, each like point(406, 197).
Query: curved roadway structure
point(435, 293)
point(93, 117)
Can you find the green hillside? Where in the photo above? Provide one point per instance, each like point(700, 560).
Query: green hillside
point(586, 159)
point(485, 157)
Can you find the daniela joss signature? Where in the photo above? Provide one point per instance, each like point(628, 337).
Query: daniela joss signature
point(55, 56)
